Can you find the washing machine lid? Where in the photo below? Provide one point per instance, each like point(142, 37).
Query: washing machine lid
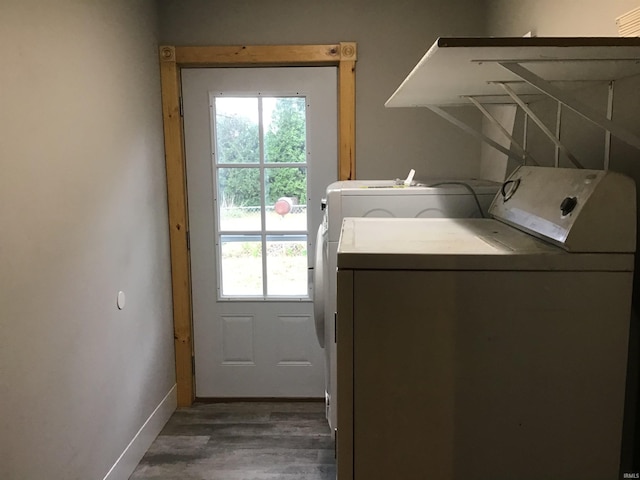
point(459, 244)
point(578, 210)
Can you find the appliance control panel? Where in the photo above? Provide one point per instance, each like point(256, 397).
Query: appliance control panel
point(579, 210)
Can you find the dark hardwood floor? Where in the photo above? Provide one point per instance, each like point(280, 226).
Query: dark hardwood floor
point(242, 441)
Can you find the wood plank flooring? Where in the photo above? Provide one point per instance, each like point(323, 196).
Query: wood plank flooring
point(242, 441)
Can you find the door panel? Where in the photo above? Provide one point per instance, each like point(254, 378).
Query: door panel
point(254, 331)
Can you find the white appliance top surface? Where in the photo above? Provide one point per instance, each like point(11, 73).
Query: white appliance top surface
point(458, 244)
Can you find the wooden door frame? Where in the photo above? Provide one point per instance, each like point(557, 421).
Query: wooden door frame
point(172, 60)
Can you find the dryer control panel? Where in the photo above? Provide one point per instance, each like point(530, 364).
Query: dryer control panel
point(579, 210)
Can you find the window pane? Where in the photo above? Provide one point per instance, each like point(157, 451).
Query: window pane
point(237, 133)
point(241, 265)
point(287, 265)
point(239, 199)
point(284, 121)
point(286, 198)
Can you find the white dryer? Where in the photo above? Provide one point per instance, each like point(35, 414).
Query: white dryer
point(437, 198)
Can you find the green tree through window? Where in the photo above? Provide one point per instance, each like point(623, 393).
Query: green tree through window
point(285, 142)
point(238, 142)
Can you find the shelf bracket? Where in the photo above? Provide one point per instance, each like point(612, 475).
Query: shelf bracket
point(473, 132)
point(607, 134)
point(525, 130)
point(521, 151)
point(540, 124)
point(573, 103)
point(558, 125)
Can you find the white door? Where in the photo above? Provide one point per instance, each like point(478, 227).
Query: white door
point(261, 147)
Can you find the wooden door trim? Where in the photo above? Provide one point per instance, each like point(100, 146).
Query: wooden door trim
point(172, 60)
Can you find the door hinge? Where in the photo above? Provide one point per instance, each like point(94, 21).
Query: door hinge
point(335, 327)
point(193, 365)
point(188, 240)
point(181, 107)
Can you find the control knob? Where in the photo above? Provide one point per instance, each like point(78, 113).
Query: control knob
point(567, 205)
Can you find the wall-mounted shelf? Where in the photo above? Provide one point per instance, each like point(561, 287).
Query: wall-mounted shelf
point(454, 68)
point(484, 71)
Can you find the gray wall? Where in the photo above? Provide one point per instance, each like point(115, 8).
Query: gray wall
point(562, 18)
point(391, 37)
point(565, 18)
point(84, 214)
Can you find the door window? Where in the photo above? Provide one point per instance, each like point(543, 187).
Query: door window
point(260, 160)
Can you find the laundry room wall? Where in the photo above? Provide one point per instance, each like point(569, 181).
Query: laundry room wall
point(83, 207)
point(391, 37)
point(551, 18)
point(565, 18)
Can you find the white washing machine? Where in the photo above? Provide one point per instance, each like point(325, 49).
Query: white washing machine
point(489, 348)
point(438, 198)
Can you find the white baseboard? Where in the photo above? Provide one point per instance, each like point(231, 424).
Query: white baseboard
point(126, 464)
